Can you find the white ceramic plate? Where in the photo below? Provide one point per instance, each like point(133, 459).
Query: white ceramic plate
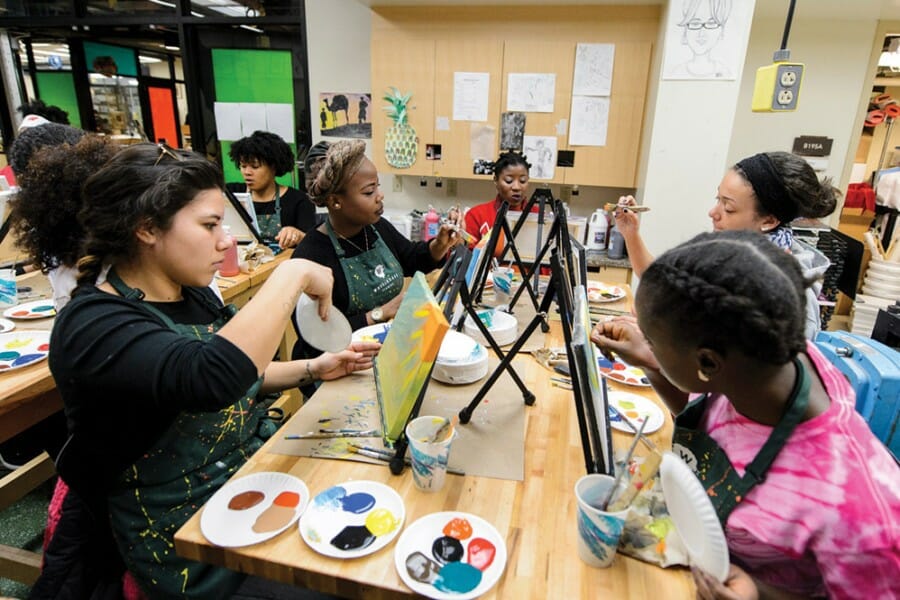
point(6, 325)
point(450, 556)
point(253, 509)
point(36, 309)
point(332, 335)
point(376, 332)
point(353, 519)
point(603, 292)
point(22, 348)
point(694, 517)
point(620, 371)
point(636, 409)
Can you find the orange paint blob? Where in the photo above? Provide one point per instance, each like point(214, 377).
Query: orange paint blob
point(287, 499)
point(459, 529)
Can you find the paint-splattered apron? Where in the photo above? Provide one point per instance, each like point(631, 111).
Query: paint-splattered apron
point(373, 277)
point(270, 225)
point(195, 456)
point(724, 486)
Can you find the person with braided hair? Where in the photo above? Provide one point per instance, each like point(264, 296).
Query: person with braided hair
point(368, 256)
point(765, 193)
point(807, 496)
point(511, 180)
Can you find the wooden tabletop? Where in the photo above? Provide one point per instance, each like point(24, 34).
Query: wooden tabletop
point(535, 516)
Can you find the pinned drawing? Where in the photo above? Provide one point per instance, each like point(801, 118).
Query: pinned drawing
point(512, 131)
point(531, 92)
point(593, 69)
point(401, 145)
point(345, 115)
point(705, 39)
point(541, 153)
point(404, 362)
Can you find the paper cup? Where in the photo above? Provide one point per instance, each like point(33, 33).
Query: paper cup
point(428, 460)
point(8, 295)
point(598, 530)
point(502, 277)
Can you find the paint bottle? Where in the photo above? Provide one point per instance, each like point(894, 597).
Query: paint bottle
point(230, 266)
point(432, 223)
point(616, 244)
point(597, 229)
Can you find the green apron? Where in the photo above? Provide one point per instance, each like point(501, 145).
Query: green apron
point(373, 277)
point(724, 486)
point(270, 225)
point(193, 458)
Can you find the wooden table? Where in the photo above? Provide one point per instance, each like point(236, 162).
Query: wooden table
point(536, 516)
point(29, 395)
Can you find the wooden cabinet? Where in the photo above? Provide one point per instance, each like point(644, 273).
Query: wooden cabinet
point(419, 49)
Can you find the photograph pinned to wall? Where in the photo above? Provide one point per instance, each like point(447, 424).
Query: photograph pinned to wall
point(593, 69)
point(432, 152)
point(345, 115)
point(512, 130)
point(706, 39)
point(531, 92)
point(589, 121)
point(540, 151)
point(482, 166)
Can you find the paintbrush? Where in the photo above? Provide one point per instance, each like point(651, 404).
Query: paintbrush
point(633, 208)
point(387, 456)
point(444, 431)
point(612, 490)
point(323, 436)
point(647, 441)
point(644, 473)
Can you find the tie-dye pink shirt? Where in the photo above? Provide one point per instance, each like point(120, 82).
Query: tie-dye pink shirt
point(827, 517)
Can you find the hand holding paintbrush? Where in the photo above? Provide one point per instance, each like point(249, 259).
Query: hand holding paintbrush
point(609, 206)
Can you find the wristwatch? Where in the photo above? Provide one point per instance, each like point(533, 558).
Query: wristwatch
point(377, 314)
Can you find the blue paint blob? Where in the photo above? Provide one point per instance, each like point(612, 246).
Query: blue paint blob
point(9, 355)
point(27, 358)
point(353, 537)
point(358, 503)
point(458, 578)
point(330, 498)
point(447, 549)
point(42, 308)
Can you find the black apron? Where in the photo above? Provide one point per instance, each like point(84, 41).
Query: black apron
point(270, 225)
point(724, 486)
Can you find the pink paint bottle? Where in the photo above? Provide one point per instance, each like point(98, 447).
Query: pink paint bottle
point(432, 223)
point(230, 266)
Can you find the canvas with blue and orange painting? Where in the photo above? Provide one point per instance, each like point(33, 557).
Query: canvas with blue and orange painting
point(404, 362)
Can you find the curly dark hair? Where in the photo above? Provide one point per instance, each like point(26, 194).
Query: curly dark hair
point(144, 184)
point(34, 138)
point(811, 198)
point(54, 114)
point(264, 147)
point(509, 159)
point(44, 212)
point(729, 289)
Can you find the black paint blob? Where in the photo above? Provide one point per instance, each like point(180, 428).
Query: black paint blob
point(353, 537)
point(447, 549)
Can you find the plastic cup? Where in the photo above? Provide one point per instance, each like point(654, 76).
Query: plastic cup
point(598, 530)
point(428, 459)
point(502, 277)
point(8, 289)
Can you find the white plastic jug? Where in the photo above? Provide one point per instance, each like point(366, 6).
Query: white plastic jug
point(597, 230)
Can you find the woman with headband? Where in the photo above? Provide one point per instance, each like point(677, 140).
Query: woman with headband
point(765, 193)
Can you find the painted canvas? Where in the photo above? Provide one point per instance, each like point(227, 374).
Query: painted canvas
point(345, 115)
point(404, 363)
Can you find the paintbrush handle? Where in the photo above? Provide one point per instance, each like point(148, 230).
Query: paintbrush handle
point(644, 473)
point(633, 208)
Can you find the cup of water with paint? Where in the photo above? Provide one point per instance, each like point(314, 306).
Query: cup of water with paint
point(429, 448)
point(8, 296)
point(598, 530)
point(502, 277)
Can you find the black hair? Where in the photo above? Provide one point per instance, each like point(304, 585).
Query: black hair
point(43, 214)
point(54, 114)
point(265, 147)
point(729, 289)
point(143, 185)
point(509, 159)
point(35, 138)
point(810, 197)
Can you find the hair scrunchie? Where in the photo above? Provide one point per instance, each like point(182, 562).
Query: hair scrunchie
point(769, 187)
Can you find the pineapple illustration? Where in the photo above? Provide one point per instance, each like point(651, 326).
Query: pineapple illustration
point(400, 142)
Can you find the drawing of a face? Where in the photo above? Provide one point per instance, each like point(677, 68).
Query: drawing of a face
point(702, 24)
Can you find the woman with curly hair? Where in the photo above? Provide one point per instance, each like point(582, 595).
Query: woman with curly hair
point(284, 214)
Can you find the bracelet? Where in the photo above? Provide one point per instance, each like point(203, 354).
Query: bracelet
point(309, 373)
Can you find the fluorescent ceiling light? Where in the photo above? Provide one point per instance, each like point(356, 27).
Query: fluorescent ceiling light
point(163, 3)
point(252, 28)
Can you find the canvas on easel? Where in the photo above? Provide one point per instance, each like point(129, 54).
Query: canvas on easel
point(406, 358)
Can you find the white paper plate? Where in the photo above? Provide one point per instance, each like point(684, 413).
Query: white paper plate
point(36, 309)
point(233, 526)
point(332, 335)
point(353, 519)
point(451, 555)
point(694, 517)
point(598, 292)
point(620, 371)
point(377, 332)
point(636, 409)
point(6, 325)
point(22, 348)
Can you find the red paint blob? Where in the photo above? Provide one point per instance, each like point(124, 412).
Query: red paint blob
point(481, 553)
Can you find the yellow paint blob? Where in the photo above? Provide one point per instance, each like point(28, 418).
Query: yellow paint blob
point(381, 521)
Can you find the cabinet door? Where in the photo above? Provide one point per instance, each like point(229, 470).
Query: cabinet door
point(558, 58)
point(615, 164)
point(408, 65)
point(472, 56)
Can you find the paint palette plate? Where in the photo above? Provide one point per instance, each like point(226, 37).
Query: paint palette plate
point(6, 325)
point(332, 335)
point(636, 409)
point(22, 348)
point(253, 509)
point(603, 292)
point(450, 556)
point(621, 371)
point(353, 519)
point(37, 309)
point(694, 517)
point(372, 333)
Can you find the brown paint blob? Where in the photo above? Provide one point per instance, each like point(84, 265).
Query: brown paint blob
point(246, 500)
point(273, 519)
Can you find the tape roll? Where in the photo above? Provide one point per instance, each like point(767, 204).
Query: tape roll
point(875, 117)
point(882, 99)
point(892, 110)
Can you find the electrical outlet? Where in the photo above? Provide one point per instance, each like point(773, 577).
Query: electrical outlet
point(785, 97)
point(788, 78)
point(451, 188)
point(777, 87)
point(397, 183)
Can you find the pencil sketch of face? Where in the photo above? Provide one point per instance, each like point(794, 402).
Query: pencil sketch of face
point(703, 24)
